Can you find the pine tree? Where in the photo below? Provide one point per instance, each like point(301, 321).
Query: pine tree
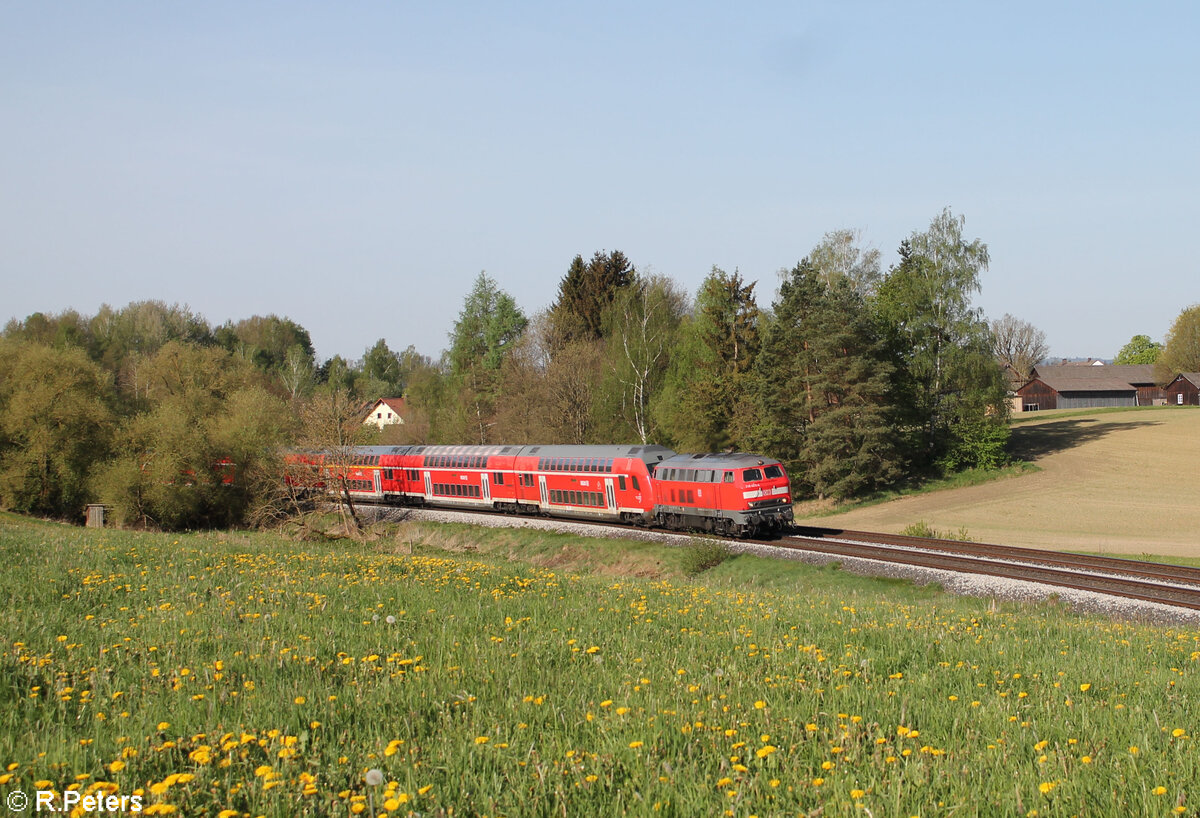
point(585, 294)
point(822, 387)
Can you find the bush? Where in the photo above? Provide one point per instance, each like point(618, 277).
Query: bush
point(702, 556)
point(923, 529)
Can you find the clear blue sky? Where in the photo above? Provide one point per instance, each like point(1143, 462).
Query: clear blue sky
point(355, 165)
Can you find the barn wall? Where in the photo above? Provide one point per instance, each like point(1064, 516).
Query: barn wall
point(1037, 394)
point(1191, 395)
point(1095, 400)
point(1150, 396)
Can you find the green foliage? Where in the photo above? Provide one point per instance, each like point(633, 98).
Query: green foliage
point(946, 375)
point(838, 257)
point(185, 459)
point(700, 556)
point(585, 294)
point(710, 382)
point(923, 529)
point(489, 323)
point(56, 423)
point(1139, 350)
point(823, 389)
point(267, 341)
point(1181, 352)
point(643, 322)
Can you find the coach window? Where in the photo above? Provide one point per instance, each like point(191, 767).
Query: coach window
point(621, 482)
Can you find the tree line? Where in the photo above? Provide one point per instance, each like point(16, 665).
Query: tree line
point(856, 377)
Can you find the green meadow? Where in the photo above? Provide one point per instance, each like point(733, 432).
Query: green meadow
point(514, 674)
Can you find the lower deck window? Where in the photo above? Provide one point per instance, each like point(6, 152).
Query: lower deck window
point(456, 490)
point(593, 499)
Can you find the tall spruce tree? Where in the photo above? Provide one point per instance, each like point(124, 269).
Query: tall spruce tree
point(585, 294)
point(488, 326)
point(710, 372)
point(822, 386)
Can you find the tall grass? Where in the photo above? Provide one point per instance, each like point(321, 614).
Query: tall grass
point(243, 675)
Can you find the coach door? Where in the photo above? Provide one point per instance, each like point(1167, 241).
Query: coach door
point(428, 485)
point(542, 490)
point(610, 494)
point(486, 484)
point(378, 485)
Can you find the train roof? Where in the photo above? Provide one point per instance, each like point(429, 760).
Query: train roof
point(647, 454)
point(719, 460)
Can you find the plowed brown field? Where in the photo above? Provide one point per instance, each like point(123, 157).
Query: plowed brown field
point(1120, 483)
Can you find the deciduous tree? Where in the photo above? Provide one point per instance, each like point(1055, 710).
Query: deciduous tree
point(942, 346)
point(1139, 350)
point(1018, 345)
point(56, 424)
point(1181, 353)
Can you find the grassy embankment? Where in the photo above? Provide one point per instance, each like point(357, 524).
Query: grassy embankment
point(243, 675)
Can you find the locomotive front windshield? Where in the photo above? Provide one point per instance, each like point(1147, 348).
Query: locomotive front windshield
point(752, 475)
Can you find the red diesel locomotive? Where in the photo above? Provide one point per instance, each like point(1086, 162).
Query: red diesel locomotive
point(734, 494)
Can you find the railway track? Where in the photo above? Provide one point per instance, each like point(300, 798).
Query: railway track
point(1159, 583)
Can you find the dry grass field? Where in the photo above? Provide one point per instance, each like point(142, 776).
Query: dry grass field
point(1110, 482)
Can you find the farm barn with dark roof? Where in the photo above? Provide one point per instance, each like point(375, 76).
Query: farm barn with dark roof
point(1090, 387)
point(1184, 390)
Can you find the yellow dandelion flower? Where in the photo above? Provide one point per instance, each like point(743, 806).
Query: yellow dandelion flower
point(116, 766)
point(635, 744)
point(1085, 687)
point(760, 704)
point(482, 739)
point(857, 794)
point(1159, 791)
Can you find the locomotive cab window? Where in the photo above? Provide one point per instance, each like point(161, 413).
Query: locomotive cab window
point(773, 472)
point(752, 475)
point(728, 477)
